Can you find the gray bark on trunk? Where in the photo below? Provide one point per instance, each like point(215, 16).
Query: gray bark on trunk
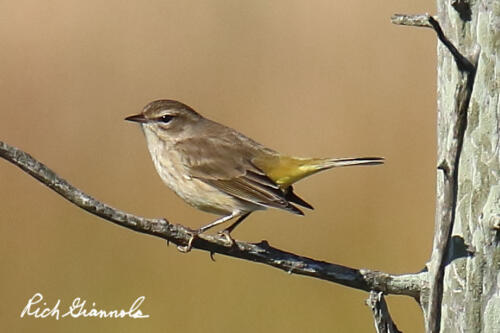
point(471, 283)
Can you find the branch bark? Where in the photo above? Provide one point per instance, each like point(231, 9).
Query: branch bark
point(381, 315)
point(363, 279)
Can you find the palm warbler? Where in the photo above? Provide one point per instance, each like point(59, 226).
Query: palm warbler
point(219, 170)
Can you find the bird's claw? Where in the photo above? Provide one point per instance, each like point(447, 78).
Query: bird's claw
point(194, 234)
point(226, 234)
point(187, 248)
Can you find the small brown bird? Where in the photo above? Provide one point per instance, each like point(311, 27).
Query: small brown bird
point(219, 170)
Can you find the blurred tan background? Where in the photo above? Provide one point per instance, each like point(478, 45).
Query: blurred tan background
point(312, 78)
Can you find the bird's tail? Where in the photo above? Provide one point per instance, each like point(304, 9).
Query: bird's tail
point(292, 169)
point(340, 162)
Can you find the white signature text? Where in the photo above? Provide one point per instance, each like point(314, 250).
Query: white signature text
point(37, 308)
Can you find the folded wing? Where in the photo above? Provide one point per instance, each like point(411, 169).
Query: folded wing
point(226, 163)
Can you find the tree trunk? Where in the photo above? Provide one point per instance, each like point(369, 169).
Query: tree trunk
point(471, 283)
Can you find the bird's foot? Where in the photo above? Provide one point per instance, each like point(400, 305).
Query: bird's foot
point(227, 235)
point(187, 248)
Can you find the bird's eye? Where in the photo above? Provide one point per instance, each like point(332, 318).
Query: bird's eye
point(165, 118)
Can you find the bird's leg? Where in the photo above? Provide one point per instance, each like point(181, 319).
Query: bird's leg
point(235, 224)
point(227, 232)
point(195, 233)
point(218, 221)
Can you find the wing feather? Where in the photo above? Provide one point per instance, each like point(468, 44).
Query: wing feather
point(225, 162)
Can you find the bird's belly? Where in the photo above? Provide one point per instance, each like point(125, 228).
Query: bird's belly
point(201, 195)
point(196, 192)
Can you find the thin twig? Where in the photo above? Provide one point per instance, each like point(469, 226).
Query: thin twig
point(419, 20)
point(408, 284)
point(427, 21)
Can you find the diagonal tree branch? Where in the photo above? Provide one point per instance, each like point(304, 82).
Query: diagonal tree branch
point(363, 279)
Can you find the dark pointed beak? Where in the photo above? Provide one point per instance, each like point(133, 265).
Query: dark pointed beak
point(138, 118)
